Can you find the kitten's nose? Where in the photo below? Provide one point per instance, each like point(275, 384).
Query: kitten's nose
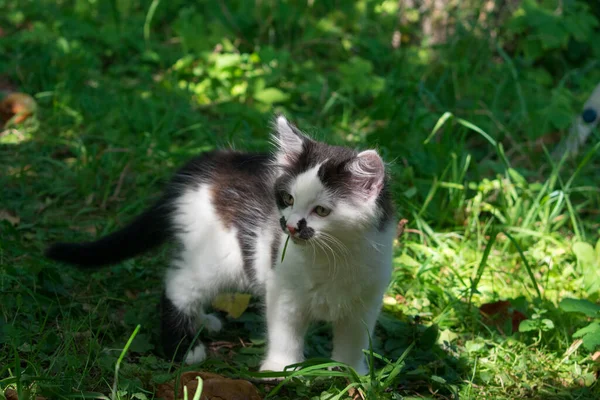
point(291, 229)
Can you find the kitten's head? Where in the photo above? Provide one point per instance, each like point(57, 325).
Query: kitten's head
point(327, 190)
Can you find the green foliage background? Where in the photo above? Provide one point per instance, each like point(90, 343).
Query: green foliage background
point(127, 90)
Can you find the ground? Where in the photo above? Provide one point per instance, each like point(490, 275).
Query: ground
point(495, 284)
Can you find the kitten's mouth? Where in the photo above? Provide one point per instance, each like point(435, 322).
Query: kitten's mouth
point(295, 237)
point(298, 240)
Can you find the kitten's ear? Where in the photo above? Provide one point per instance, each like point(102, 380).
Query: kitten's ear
point(289, 141)
point(368, 173)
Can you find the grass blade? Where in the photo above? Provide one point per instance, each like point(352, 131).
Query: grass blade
point(482, 264)
point(531, 276)
point(148, 21)
point(118, 364)
point(447, 115)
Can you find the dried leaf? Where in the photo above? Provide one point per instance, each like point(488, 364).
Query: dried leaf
point(11, 394)
point(17, 107)
point(234, 304)
point(573, 347)
point(497, 313)
point(400, 229)
point(215, 387)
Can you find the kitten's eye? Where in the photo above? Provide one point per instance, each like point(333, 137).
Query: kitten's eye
point(322, 211)
point(287, 198)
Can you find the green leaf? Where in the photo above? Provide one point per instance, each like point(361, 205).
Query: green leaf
point(141, 344)
point(580, 305)
point(406, 260)
point(592, 328)
point(591, 341)
point(473, 346)
point(585, 253)
point(528, 325)
point(227, 60)
point(547, 325)
point(447, 336)
point(271, 95)
point(590, 335)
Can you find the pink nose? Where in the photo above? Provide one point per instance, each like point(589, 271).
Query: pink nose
point(291, 229)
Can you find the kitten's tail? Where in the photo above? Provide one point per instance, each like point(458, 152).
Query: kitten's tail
point(147, 231)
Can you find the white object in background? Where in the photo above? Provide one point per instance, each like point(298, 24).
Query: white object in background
point(582, 126)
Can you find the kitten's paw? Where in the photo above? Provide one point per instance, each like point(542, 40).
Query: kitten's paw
point(196, 355)
point(211, 323)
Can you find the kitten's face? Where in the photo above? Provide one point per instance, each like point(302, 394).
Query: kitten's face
point(325, 191)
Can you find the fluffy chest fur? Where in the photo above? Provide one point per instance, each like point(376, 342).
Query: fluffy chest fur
point(337, 280)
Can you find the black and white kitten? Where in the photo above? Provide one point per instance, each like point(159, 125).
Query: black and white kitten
point(231, 213)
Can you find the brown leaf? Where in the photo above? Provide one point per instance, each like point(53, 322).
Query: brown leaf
point(17, 106)
point(517, 318)
point(497, 313)
point(215, 387)
point(11, 394)
point(596, 356)
point(6, 215)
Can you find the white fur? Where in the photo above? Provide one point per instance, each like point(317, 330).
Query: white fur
point(211, 260)
point(196, 355)
point(341, 280)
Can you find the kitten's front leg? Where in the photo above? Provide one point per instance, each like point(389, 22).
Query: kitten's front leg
point(351, 336)
point(286, 327)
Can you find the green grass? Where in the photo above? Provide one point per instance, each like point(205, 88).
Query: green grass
point(128, 90)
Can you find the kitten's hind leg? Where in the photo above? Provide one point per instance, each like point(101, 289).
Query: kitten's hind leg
point(183, 315)
point(177, 330)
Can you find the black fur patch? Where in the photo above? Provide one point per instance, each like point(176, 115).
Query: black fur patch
point(305, 232)
point(177, 330)
point(242, 199)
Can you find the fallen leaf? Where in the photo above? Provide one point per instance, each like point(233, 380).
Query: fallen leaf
point(234, 304)
point(596, 356)
point(517, 318)
point(6, 215)
point(215, 387)
point(11, 394)
point(17, 107)
point(497, 313)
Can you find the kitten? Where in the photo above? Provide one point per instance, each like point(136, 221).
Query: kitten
point(230, 214)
